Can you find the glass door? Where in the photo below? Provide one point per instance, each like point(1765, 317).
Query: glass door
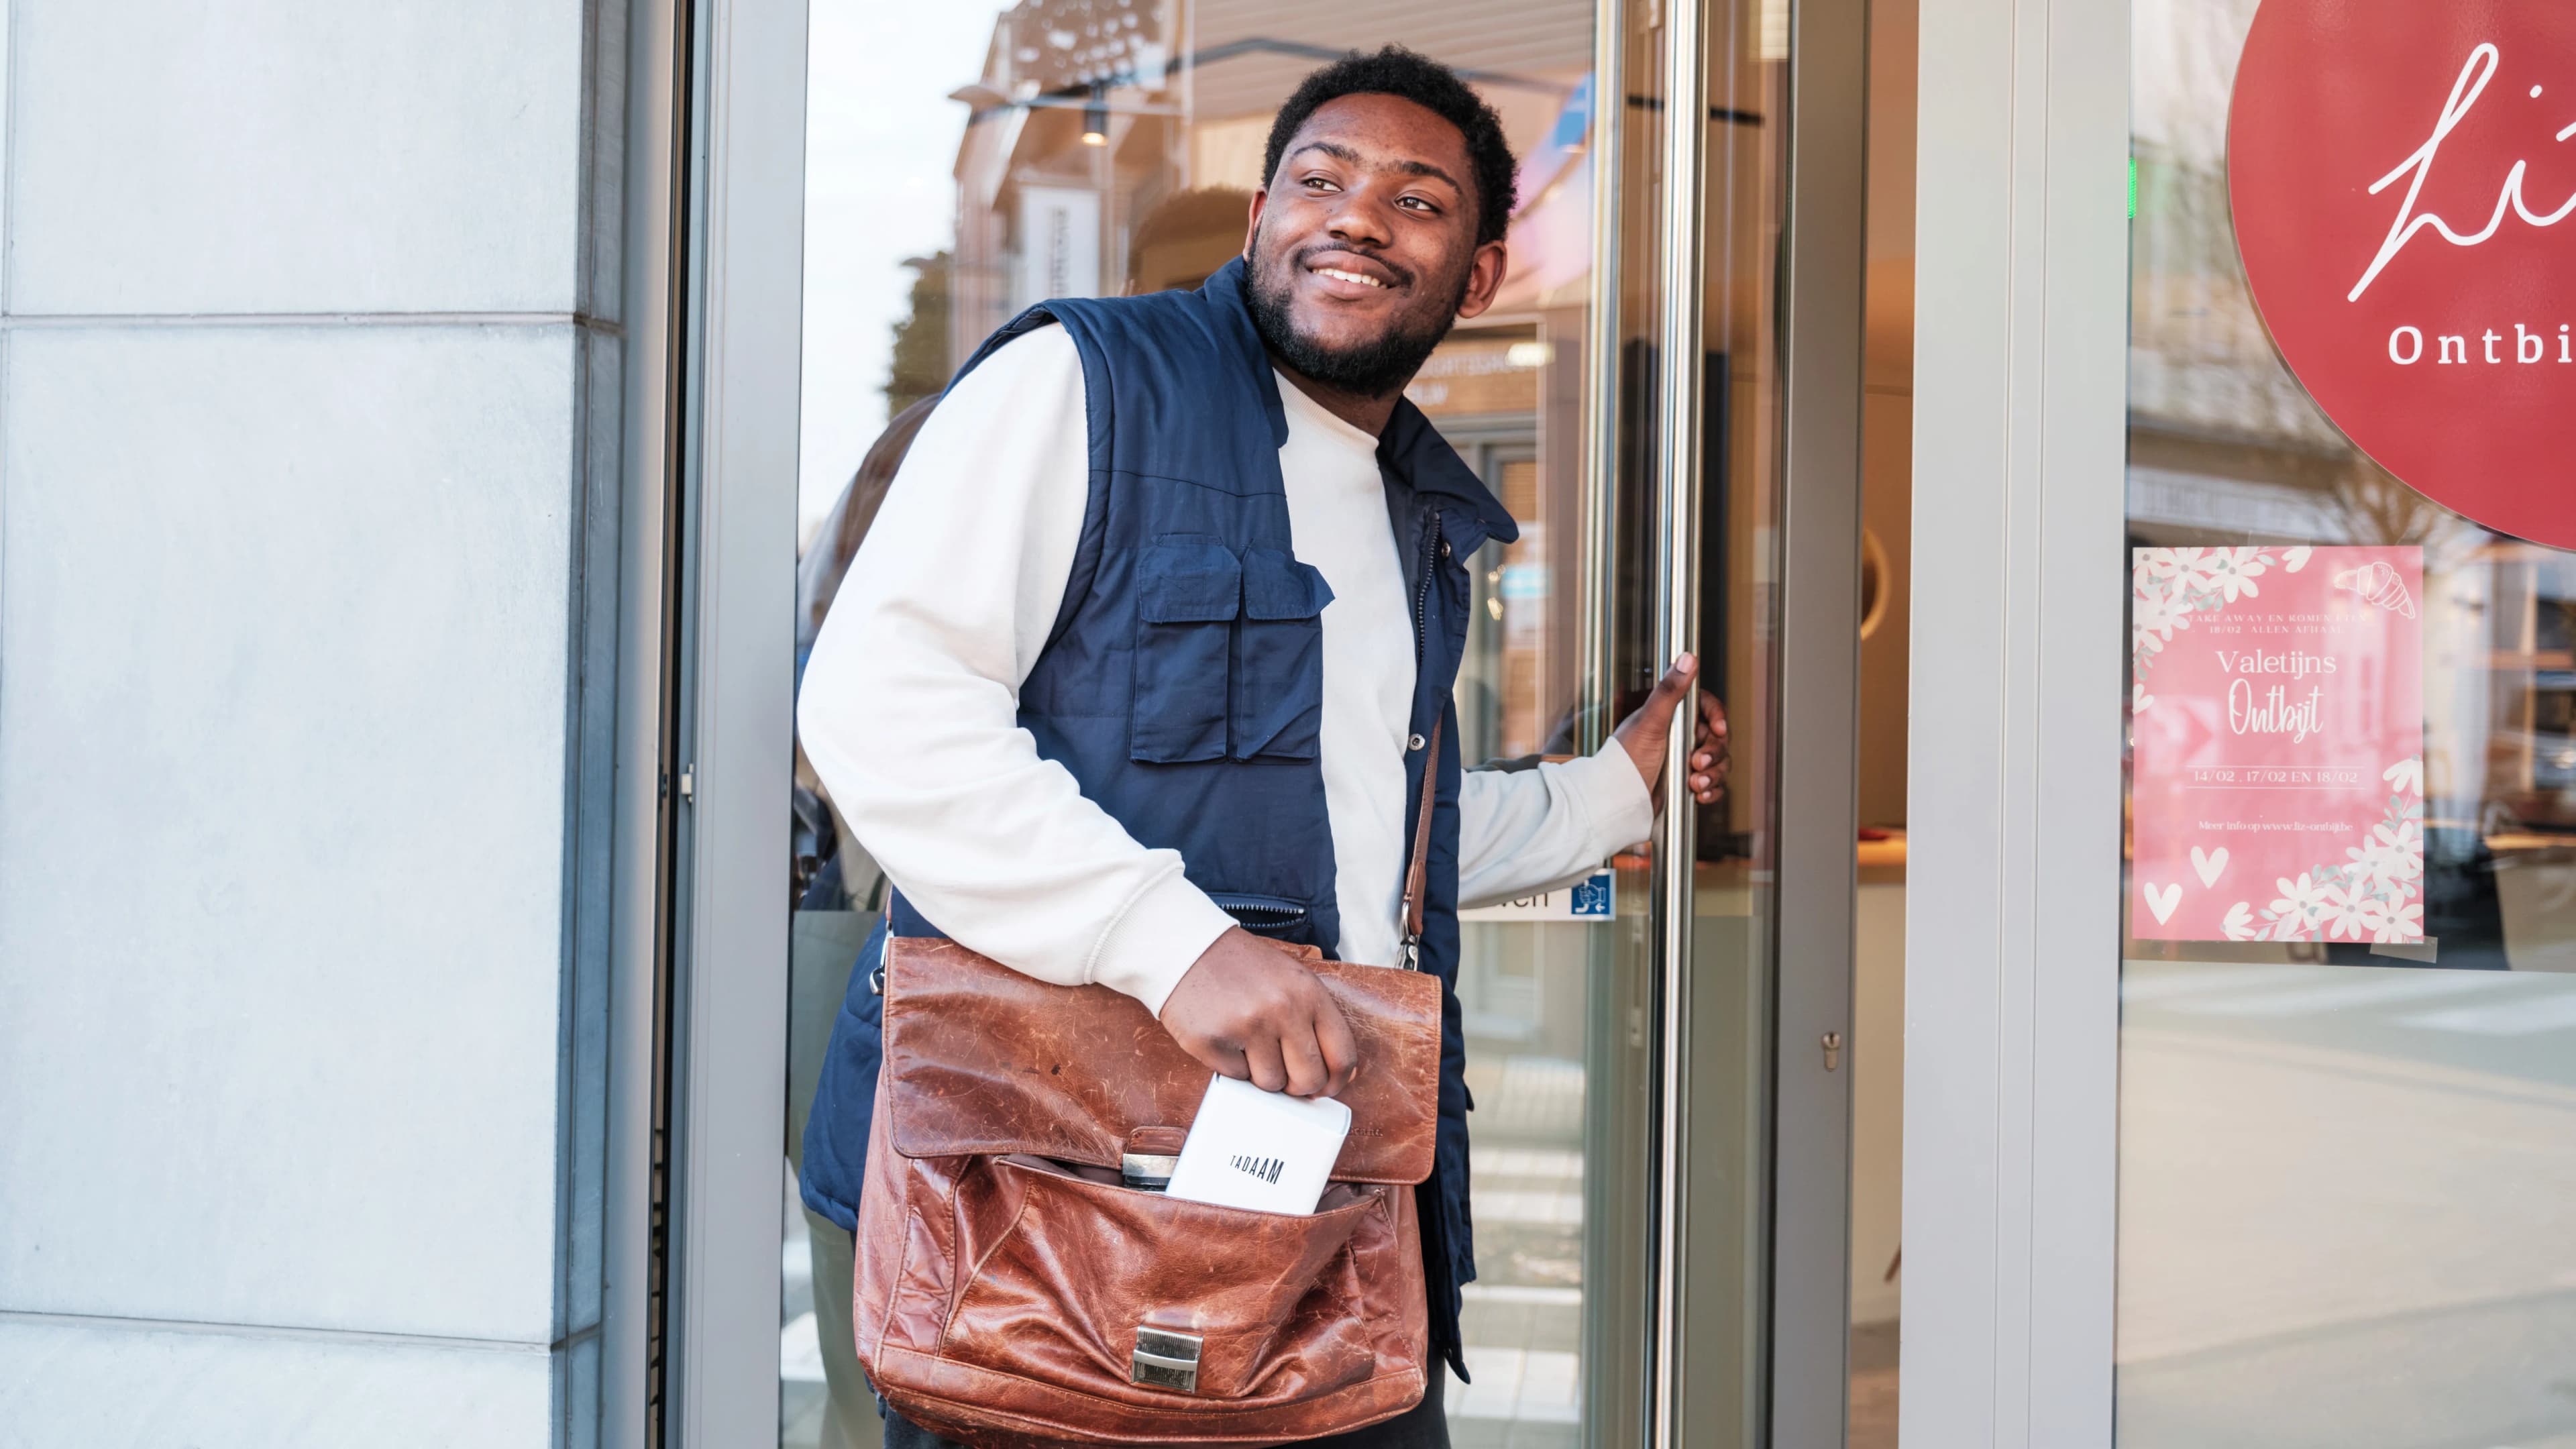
point(1627, 399)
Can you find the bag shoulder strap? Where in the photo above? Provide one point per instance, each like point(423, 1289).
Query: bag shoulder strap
point(1417, 874)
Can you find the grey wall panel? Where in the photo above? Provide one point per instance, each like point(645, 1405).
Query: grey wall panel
point(311, 530)
point(589, 848)
point(298, 156)
point(281, 835)
point(90, 1385)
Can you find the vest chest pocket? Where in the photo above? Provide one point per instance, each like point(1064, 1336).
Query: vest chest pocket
point(1188, 594)
point(1279, 660)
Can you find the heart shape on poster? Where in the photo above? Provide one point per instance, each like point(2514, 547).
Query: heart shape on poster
point(2163, 902)
point(2209, 865)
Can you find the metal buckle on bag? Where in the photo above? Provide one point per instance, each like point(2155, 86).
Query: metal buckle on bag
point(1147, 1171)
point(1408, 956)
point(1166, 1360)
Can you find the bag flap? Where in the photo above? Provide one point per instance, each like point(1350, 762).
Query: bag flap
point(983, 1061)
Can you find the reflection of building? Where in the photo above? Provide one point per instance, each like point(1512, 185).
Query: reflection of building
point(1092, 116)
point(1114, 149)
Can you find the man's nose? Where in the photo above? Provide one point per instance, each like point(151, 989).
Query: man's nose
point(1360, 216)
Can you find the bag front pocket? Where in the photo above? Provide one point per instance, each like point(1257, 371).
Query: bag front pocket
point(1066, 1273)
point(1279, 671)
point(1188, 592)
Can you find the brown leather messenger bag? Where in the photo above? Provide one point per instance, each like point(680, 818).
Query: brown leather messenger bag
point(1012, 1293)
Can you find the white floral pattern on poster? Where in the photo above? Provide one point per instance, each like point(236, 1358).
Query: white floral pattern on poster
point(2172, 586)
point(2371, 895)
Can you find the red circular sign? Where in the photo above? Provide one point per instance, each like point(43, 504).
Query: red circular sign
point(2403, 177)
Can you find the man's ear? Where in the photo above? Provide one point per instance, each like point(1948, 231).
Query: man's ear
point(1252, 226)
point(1484, 279)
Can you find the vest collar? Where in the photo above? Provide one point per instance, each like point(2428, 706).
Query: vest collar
point(1410, 448)
point(1234, 316)
point(1413, 450)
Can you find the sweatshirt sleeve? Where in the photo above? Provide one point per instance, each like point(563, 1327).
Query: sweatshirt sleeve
point(1524, 831)
point(909, 709)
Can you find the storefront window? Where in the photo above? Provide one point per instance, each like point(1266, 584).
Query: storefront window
point(2348, 1040)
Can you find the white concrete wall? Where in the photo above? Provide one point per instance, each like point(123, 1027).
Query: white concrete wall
point(308, 418)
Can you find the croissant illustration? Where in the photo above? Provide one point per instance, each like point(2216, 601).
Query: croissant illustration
point(2378, 583)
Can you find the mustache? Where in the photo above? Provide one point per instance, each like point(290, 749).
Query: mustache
point(1404, 276)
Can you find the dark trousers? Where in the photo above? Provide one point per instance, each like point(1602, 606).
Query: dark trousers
point(1421, 1427)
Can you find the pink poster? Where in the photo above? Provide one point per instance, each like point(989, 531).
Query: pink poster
point(2278, 727)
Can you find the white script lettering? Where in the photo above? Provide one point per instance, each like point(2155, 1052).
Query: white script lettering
point(2472, 83)
point(2275, 715)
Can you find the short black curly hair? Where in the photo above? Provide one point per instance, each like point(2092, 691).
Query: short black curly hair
point(1413, 76)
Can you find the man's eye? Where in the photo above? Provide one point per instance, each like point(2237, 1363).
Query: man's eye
point(1318, 183)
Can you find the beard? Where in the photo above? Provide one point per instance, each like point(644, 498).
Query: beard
point(1374, 368)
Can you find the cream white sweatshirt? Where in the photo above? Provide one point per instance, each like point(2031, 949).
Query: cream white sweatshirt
point(910, 702)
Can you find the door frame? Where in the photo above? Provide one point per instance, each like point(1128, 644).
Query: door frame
point(1801, 1285)
point(2012, 921)
point(706, 1153)
point(1819, 759)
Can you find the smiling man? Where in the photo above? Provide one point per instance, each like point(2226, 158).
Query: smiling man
point(1145, 654)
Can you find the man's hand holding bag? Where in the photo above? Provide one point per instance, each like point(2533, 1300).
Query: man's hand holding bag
point(1004, 1298)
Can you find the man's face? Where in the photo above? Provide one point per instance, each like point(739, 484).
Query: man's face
point(1363, 248)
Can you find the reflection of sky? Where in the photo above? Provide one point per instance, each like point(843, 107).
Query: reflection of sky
point(2182, 68)
point(880, 137)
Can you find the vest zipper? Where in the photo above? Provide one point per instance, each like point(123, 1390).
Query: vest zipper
point(1422, 591)
point(1408, 954)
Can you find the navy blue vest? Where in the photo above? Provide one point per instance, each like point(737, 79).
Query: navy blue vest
point(1182, 684)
